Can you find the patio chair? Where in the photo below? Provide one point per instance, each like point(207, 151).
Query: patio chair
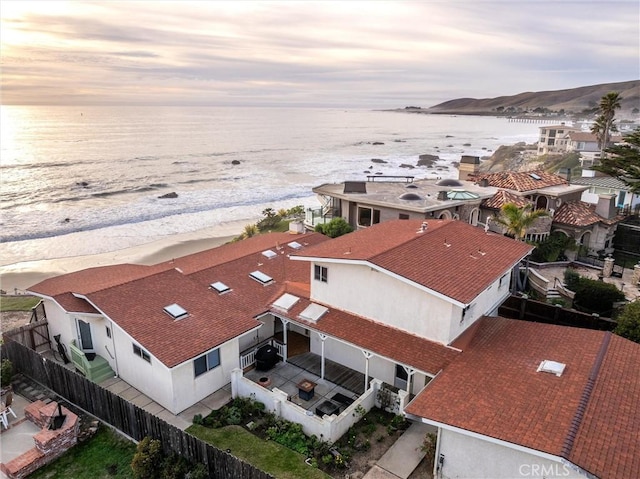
point(6, 409)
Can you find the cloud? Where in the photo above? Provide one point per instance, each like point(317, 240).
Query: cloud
point(363, 54)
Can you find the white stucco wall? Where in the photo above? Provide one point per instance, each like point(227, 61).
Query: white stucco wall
point(189, 389)
point(373, 294)
point(59, 322)
point(470, 457)
point(362, 290)
point(152, 379)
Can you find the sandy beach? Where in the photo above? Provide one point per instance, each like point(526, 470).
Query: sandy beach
point(18, 277)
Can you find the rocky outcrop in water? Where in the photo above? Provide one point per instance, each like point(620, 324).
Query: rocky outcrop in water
point(173, 194)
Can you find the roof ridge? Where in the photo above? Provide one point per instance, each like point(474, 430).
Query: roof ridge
point(138, 278)
point(419, 234)
point(567, 446)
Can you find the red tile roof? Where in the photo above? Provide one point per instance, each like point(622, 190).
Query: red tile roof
point(133, 296)
point(521, 181)
point(493, 389)
point(580, 213)
point(502, 197)
point(451, 257)
point(94, 279)
point(137, 307)
point(386, 341)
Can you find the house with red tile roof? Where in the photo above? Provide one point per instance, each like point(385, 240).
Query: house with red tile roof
point(535, 400)
point(177, 329)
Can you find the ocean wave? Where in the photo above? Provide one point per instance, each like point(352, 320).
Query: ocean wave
point(69, 225)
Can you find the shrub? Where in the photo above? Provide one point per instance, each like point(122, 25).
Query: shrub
point(334, 228)
point(571, 279)
point(234, 416)
point(147, 461)
point(596, 296)
point(197, 419)
point(629, 322)
point(553, 248)
point(290, 435)
point(6, 372)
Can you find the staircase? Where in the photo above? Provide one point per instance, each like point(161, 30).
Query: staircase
point(96, 369)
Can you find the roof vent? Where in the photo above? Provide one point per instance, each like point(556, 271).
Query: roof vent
point(176, 311)
point(552, 367)
point(423, 227)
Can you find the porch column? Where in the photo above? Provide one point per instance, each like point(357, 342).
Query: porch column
point(367, 355)
point(285, 349)
point(322, 337)
point(410, 372)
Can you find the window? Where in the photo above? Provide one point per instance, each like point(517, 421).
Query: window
point(138, 351)
point(403, 216)
point(108, 331)
point(206, 363)
point(368, 216)
point(504, 279)
point(320, 273)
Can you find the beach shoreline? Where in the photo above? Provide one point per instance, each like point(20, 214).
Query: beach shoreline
point(16, 278)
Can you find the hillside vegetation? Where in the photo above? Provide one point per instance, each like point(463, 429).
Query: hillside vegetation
point(571, 101)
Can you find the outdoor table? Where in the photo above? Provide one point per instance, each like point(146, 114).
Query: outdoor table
point(306, 389)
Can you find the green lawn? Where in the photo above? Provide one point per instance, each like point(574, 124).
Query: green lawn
point(18, 303)
point(106, 455)
point(267, 456)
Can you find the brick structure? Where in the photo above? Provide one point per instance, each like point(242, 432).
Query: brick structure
point(49, 444)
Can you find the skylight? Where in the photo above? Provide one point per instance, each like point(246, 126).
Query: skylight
point(534, 176)
point(295, 245)
point(286, 301)
point(176, 311)
point(552, 367)
point(269, 254)
point(260, 277)
point(220, 287)
point(313, 312)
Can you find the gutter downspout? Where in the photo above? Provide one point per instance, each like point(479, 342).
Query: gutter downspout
point(437, 472)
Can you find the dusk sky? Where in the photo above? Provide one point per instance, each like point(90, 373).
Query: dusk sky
point(366, 54)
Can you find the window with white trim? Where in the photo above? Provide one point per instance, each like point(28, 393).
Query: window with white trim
point(207, 362)
point(320, 273)
point(138, 351)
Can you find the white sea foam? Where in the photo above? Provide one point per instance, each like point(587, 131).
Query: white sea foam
point(81, 184)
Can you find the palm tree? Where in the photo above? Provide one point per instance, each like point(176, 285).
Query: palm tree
point(605, 122)
point(517, 220)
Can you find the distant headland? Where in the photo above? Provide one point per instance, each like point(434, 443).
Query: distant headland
point(573, 102)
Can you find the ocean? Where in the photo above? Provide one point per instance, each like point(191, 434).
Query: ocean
point(86, 180)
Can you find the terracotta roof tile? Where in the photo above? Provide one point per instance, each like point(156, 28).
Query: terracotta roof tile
point(95, 279)
point(412, 350)
point(521, 181)
point(71, 303)
point(502, 197)
point(580, 213)
point(493, 389)
point(137, 307)
point(452, 258)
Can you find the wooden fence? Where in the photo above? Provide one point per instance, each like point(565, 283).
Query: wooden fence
point(517, 307)
point(34, 336)
point(125, 416)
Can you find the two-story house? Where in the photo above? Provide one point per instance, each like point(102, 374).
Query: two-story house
point(553, 139)
point(406, 302)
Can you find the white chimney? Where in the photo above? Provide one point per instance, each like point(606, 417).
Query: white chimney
point(606, 206)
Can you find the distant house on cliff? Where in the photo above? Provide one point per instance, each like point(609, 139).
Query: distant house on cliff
point(553, 139)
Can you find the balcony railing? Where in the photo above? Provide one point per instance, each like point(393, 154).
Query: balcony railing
point(248, 356)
